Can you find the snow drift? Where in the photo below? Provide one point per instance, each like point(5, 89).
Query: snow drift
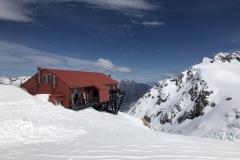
point(33, 129)
point(202, 101)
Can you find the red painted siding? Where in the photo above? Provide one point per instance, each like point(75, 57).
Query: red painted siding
point(31, 85)
point(103, 95)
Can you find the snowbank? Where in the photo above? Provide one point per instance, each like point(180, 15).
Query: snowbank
point(34, 130)
point(27, 119)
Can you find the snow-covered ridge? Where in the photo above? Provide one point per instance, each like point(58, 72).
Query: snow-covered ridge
point(14, 81)
point(198, 101)
point(127, 81)
point(224, 57)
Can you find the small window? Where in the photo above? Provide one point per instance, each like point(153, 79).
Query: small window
point(44, 79)
point(49, 78)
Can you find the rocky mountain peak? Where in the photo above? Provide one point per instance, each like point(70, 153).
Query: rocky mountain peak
point(127, 81)
point(224, 57)
point(195, 102)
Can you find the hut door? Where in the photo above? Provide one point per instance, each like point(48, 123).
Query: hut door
point(95, 92)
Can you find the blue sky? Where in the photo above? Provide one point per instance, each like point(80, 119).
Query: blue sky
point(143, 40)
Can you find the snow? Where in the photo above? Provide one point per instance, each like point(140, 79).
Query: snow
point(33, 129)
point(43, 97)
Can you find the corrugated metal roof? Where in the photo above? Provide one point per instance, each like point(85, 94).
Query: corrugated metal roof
point(83, 79)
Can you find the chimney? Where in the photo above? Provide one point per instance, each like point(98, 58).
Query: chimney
point(39, 68)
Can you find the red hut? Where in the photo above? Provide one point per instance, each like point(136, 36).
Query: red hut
point(70, 87)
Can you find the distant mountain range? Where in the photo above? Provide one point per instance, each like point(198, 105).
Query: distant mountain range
point(204, 100)
point(134, 91)
point(14, 81)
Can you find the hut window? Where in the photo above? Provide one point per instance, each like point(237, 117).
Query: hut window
point(44, 79)
point(49, 78)
point(112, 86)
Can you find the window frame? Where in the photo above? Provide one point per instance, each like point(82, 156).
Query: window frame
point(44, 79)
point(49, 78)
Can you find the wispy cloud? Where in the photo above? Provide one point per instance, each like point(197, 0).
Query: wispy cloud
point(109, 66)
point(15, 56)
point(148, 23)
point(153, 23)
point(131, 54)
point(20, 57)
point(17, 10)
point(121, 4)
point(168, 75)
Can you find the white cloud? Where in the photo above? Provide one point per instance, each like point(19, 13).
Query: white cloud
point(104, 63)
point(120, 4)
point(15, 56)
point(131, 54)
point(133, 8)
point(123, 69)
point(153, 23)
point(17, 10)
point(109, 66)
point(168, 75)
point(148, 23)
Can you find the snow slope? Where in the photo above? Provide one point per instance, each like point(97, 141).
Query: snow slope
point(202, 101)
point(31, 129)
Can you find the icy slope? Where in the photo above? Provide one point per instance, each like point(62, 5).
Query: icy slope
point(202, 101)
point(31, 129)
